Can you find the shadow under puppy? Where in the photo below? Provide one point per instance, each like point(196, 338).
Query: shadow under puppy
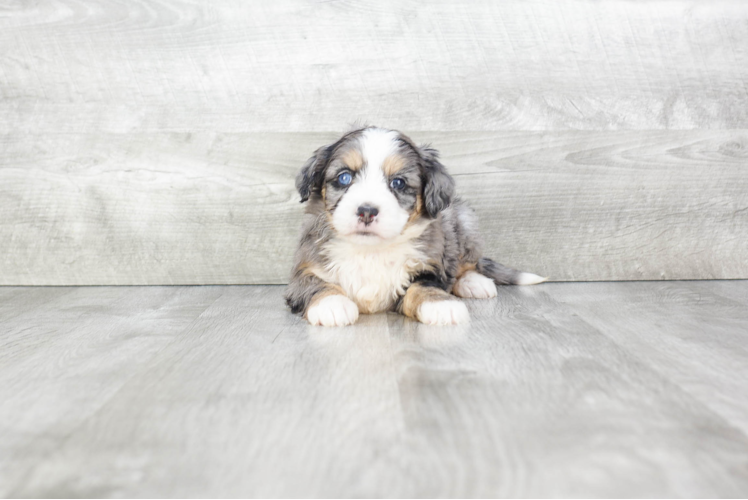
point(383, 231)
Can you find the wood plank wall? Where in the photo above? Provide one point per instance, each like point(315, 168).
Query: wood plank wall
point(156, 141)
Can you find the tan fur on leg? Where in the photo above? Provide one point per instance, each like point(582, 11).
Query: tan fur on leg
point(433, 306)
point(331, 307)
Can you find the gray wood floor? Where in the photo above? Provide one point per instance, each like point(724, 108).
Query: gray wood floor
point(564, 389)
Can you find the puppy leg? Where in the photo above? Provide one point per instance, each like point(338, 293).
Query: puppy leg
point(473, 285)
point(320, 302)
point(332, 310)
point(432, 305)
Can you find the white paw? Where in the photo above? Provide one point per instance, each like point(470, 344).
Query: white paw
point(443, 312)
point(529, 279)
point(472, 285)
point(333, 310)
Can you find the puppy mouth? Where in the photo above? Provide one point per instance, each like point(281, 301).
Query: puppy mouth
point(366, 236)
point(370, 229)
point(369, 234)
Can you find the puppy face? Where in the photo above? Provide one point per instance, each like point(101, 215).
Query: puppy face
point(374, 183)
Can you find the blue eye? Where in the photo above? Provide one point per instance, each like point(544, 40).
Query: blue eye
point(345, 178)
point(397, 183)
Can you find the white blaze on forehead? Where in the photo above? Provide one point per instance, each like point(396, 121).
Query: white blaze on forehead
point(376, 145)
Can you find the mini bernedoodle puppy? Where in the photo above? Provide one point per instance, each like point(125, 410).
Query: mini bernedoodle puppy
point(384, 231)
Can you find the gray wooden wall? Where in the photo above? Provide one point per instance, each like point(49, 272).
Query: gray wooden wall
point(156, 141)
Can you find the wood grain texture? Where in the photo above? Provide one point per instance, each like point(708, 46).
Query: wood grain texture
point(155, 141)
point(558, 390)
point(222, 209)
point(632, 316)
point(70, 352)
point(300, 66)
point(533, 401)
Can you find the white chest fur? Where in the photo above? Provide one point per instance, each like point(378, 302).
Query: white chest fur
point(373, 276)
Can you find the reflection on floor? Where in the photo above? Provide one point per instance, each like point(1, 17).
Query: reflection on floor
point(562, 389)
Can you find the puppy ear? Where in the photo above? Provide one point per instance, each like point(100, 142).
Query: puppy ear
point(439, 186)
point(309, 179)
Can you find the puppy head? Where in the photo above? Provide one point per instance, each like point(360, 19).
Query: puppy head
point(374, 183)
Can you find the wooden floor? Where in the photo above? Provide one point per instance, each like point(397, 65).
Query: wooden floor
point(563, 389)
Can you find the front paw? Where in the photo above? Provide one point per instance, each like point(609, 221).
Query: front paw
point(333, 310)
point(443, 312)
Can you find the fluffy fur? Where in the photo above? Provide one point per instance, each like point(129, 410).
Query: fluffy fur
point(383, 231)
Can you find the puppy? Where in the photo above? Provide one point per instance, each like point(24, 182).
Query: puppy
point(383, 231)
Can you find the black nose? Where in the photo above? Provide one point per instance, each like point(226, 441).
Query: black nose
point(366, 214)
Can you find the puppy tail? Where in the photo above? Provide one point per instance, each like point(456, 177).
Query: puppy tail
point(503, 275)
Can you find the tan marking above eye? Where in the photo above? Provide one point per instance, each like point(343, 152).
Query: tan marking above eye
point(353, 159)
point(393, 164)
